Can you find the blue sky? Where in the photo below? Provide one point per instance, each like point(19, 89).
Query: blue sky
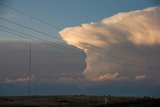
point(56, 71)
point(65, 13)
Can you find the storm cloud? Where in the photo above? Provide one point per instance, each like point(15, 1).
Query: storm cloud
point(125, 46)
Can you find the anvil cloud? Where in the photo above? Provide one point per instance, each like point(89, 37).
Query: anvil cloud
point(124, 46)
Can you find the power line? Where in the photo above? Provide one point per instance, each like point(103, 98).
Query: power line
point(103, 58)
point(30, 16)
point(42, 22)
point(51, 36)
point(119, 59)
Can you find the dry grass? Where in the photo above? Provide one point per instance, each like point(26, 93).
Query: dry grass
point(77, 101)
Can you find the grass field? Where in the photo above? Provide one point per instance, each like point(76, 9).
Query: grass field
point(78, 101)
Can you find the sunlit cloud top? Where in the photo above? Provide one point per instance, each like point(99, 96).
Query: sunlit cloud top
point(122, 40)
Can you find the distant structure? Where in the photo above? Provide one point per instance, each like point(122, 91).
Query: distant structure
point(107, 99)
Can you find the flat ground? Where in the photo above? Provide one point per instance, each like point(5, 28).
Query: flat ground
point(77, 101)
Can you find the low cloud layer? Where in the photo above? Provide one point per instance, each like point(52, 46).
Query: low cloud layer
point(124, 46)
point(19, 80)
point(48, 64)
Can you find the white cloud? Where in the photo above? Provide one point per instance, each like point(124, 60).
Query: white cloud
point(107, 77)
point(140, 77)
point(123, 42)
point(18, 80)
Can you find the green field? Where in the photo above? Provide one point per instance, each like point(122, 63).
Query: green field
point(78, 101)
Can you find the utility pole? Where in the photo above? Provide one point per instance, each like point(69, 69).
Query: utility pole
point(29, 71)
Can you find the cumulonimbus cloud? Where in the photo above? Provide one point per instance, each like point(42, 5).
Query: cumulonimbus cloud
point(119, 47)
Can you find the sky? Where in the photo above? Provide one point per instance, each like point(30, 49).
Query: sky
point(91, 47)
